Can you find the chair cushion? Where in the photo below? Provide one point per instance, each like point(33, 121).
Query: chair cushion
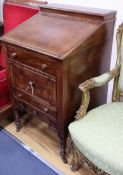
point(99, 136)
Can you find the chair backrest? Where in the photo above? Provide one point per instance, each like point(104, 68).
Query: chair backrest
point(118, 81)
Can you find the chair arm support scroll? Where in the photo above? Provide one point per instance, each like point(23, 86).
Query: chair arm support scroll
point(92, 83)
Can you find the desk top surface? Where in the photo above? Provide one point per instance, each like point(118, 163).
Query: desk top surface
point(49, 35)
point(52, 34)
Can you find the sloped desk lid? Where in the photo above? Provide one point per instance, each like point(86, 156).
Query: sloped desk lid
point(52, 35)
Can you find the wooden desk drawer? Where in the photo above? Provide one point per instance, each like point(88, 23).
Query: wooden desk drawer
point(49, 111)
point(33, 60)
point(38, 85)
point(36, 112)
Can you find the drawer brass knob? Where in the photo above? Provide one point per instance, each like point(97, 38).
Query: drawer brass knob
point(35, 112)
point(44, 67)
point(19, 95)
point(13, 55)
point(45, 109)
point(30, 83)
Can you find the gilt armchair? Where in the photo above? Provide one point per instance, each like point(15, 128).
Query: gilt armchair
point(97, 135)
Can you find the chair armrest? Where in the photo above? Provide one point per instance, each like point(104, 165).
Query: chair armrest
point(92, 83)
point(100, 80)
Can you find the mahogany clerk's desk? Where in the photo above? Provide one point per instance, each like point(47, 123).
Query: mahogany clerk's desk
point(50, 54)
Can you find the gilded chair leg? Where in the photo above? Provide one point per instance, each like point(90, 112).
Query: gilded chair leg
point(74, 163)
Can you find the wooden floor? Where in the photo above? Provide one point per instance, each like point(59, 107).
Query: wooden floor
point(40, 138)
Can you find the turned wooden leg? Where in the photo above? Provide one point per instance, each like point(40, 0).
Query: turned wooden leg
point(63, 150)
point(74, 163)
point(17, 120)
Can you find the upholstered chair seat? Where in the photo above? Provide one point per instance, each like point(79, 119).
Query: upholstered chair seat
point(99, 136)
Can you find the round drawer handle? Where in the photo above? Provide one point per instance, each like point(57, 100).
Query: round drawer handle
point(35, 112)
point(45, 109)
point(30, 83)
point(44, 67)
point(19, 95)
point(13, 55)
